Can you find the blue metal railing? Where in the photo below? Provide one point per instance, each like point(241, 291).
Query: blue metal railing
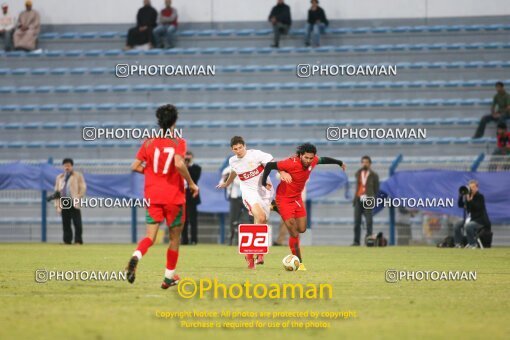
point(393, 168)
point(44, 211)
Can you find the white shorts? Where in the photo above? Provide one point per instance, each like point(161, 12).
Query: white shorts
point(263, 197)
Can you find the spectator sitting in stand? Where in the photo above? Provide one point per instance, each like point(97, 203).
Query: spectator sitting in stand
point(316, 23)
point(281, 20)
point(500, 110)
point(164, 34)
point(141, 34)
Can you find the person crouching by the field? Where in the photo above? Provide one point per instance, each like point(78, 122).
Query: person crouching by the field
point(367, 185)
point(70, 184)
point(475, 216)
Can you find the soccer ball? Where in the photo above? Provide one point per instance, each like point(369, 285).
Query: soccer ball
point(291, 263)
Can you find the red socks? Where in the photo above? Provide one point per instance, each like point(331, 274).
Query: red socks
point(294, 246)
point(144, 245)
point(171, 259)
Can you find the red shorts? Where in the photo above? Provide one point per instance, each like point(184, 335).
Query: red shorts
point(290, 207)
point(172, 213)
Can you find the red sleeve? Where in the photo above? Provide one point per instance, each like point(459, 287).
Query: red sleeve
point(180, 149)
point(142, 152)
point(315, 161)
point(285, 165)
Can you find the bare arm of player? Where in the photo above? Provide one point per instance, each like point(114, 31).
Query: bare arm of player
point(285, 176)
point(329, 160)
point(137, 166)
point(267, 170)
point(181, 167)
point(229, 180)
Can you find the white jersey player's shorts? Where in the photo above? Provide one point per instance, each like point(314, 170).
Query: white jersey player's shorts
point(262, 197)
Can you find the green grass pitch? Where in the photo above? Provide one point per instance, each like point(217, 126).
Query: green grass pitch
point(118, 310)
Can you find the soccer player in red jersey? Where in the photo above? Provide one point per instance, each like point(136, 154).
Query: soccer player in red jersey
point(288, 194)
point(161, 160)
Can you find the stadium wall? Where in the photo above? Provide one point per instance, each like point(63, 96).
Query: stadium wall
point(55, 12)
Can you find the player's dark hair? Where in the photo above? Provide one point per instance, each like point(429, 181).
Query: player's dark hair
point(502, 125)
point(306, 148)
point(236, 140)
point(68, 160)
point(500, 83)
point(368, 158)
point(167, 116)
point(189, 153)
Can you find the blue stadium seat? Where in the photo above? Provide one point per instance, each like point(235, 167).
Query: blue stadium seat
point(108, 35)
point(48, 36)
point(225, 33)
point(234, 123)
point(78, 71)
point(124, 106)
point(83, 89)
point(62, 89)
point(33, 145)
point(12, 126)
point(105, 107)
point(93, 53)
point(113, 52)
point(100, 70)
point(70, 125)
point(50, 125)
point(72, 53)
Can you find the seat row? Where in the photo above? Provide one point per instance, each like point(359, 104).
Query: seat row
point(266, 32)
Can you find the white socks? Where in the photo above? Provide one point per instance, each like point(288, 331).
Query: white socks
point(169, 274)
point(138, 254)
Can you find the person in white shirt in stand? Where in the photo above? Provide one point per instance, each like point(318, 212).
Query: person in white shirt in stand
point(7, 22)
point(248, 165)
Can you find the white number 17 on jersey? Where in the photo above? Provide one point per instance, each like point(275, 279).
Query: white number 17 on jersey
point(170, 152)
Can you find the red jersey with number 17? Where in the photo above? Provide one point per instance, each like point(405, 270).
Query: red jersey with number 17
point(163, 183)
point(299, 175)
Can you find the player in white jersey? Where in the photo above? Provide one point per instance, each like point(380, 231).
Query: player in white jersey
point(248, 165)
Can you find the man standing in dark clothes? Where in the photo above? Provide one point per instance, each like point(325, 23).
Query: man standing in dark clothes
point(146, 20)
point(191, 202)
point(316, 23)
point(476, 216)
point(281, 20)
point(500, 110)
point(367, 185)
